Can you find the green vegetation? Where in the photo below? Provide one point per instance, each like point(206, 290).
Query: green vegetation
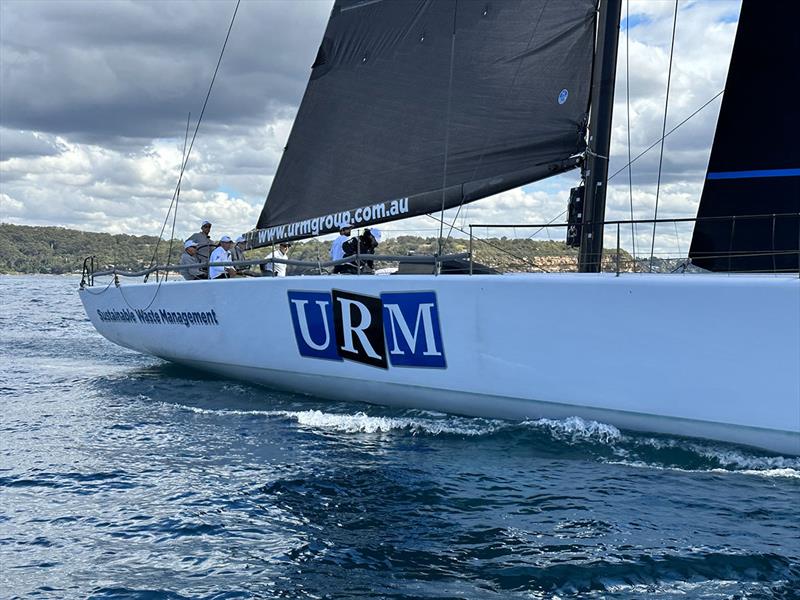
point(503, 254)
point(55, 250)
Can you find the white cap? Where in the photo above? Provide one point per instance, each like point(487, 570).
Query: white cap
point(189, 244)
point(376, 233)
point(240, 239)
point(225, 238)
point(204, 223)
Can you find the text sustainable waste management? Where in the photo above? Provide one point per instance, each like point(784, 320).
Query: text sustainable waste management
point(159, 317)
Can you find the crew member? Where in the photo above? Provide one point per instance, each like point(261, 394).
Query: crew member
point(189, 257)
point(336, 248)
point(361, 245)
point(222, 254)
point(370, 239)
point(204, 243)
point(237, 253)
point(274, 269)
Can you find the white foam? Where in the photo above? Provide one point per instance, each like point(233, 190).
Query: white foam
point(220, 411)
point(570, 430)
point(741, 461)
point(575, 429)
point(732, 460)
point(785, 472)
point(235, 388)
point(363, 423)
point(791, 473)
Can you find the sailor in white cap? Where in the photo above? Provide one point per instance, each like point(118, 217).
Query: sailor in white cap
point(222, 254)
point(189, 257)
point(336, 248)
point(274, 269)
point(237, 253)
point(203, 241)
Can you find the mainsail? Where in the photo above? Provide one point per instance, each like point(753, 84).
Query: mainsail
point(415, 105)
point(754, 167)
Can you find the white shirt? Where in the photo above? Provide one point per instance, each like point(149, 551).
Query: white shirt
point(336, 248)
point(218, 255)
point(278, 268)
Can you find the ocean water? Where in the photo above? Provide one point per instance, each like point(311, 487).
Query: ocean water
point(122, 476)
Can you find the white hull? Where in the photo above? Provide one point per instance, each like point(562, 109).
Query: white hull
point(710, 356)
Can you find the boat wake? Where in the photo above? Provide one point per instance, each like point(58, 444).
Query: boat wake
point(601, 441)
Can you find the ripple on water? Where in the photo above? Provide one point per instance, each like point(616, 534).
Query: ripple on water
point(125, 477)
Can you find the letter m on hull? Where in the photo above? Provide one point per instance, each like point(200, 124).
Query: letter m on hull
point(412, 331)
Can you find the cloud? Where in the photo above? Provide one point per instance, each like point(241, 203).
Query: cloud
point(21, 143)
point(101, 71)
point(94, 98)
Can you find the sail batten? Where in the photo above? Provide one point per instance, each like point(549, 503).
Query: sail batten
point(383, 117)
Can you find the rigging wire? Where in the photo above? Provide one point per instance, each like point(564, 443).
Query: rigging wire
point(550, 222)
point(447, 124)
point(178, 195)
point(495, 246)
point(628, 104)
point(678, 240)
point(197, 127)
point(670, 132)
point(663, 131)
point(185, 161)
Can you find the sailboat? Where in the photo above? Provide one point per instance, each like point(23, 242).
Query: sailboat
point(418, 106)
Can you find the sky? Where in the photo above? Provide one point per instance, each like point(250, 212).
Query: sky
point(95, 95)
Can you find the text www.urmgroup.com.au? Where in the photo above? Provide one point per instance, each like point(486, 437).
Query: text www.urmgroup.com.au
point(332, 222)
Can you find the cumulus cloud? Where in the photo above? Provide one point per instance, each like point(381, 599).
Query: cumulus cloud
point(94, 98)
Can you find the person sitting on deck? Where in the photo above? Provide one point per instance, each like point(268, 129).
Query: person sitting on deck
point(189, 257)
point(204, 243)
point(237, 253)
point(336, 248)
point(222, 254)
point(274, 269)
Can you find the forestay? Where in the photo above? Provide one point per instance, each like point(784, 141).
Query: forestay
point(417, 104)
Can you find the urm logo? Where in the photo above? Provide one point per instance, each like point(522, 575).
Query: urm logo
point(397, 328)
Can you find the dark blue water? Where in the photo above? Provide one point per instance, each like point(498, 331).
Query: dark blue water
point(122, 476)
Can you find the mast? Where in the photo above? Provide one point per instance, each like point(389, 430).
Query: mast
point(596, 171)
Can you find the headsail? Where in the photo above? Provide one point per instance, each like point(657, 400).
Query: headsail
point(755, 160)
point(416, 103)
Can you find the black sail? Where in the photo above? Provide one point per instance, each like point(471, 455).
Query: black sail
point(416, 103)
point(754, 167)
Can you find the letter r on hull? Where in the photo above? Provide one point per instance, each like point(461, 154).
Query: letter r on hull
point(359, 328)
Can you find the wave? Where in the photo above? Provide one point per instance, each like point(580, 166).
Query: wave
point(575, 429)
point(603, 441)
point(360, 422)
